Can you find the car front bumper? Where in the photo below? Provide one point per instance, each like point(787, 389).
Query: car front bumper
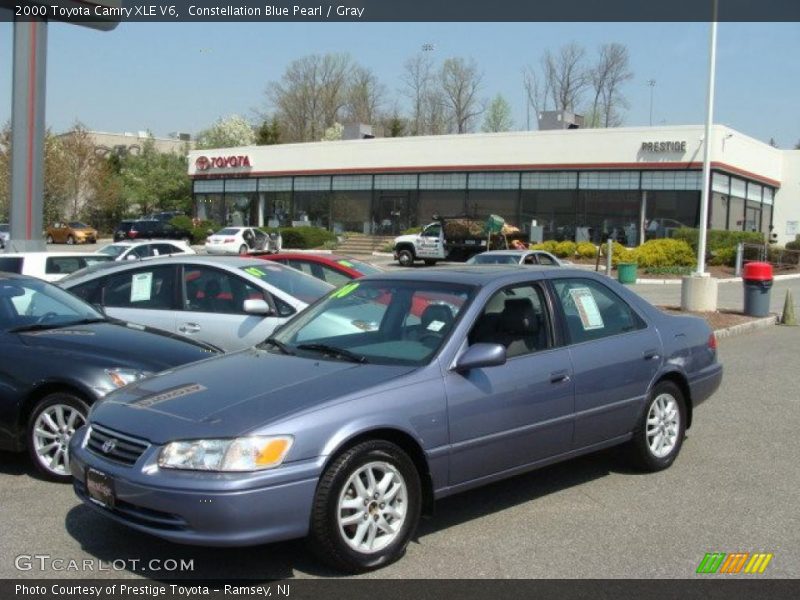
point(208, 509)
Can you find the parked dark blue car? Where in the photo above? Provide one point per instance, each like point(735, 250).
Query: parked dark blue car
point(356, 415)
point(58, 355)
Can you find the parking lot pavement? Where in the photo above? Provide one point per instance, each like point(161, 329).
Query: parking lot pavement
point(733, 488)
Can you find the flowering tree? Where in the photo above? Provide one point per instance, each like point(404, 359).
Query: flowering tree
point(227, 132)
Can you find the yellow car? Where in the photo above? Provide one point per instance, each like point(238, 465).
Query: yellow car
point(73, 232)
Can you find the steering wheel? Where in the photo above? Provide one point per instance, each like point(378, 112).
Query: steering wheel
point(46, 317)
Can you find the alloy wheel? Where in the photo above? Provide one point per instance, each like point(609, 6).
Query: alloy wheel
point(52, 431)
point(663, 425)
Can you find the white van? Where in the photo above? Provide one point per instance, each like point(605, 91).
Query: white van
point(50, 266)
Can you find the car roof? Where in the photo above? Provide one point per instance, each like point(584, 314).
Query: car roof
point(179, 259)
point(45, 253)
point(505, 252)
point(479, 275)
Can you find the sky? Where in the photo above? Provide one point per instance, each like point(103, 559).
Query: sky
point(167, 77)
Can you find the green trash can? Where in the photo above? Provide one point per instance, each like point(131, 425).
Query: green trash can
point(626, 272)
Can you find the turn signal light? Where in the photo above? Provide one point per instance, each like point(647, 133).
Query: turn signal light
point(712, 342)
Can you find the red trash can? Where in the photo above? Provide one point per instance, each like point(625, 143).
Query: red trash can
point(757, 277)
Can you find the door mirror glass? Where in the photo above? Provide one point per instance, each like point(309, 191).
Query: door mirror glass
point(479, 356)
point(257, 306)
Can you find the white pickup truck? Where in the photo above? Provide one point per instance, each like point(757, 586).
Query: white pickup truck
point(432, 244)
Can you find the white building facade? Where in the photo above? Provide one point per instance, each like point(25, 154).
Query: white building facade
point(581, 184)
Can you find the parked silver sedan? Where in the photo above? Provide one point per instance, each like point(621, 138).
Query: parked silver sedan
point(230, 302)
point(517, 257)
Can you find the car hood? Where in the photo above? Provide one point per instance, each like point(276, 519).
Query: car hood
point(406, 238)
point(118, 344)
point(233, 394)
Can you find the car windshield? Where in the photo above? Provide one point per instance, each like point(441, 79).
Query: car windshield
point(34, 304)
point(360, 266)
point(293, 282)
point(113, 250)
point(493, 259)
point(377, 322)
point(78, 225)
point(227, 231)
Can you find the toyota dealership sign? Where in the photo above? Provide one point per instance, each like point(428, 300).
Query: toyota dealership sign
point(234, 161)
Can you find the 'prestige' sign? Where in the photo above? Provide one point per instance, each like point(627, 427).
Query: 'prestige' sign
point(677, 146)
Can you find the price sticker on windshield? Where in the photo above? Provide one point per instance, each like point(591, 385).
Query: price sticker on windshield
point(348, 289)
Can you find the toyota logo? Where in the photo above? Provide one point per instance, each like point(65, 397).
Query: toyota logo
point(109, 445)
point(202, 163)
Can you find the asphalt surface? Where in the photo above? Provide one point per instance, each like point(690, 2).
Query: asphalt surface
point(733, 488)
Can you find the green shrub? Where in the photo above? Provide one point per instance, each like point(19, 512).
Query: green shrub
point(723, 257)
point(565, 249)
point(586, 250)
point(181, 222)
point(795, 245)
point(716, 239)
point(549, 246)
point(664, 253)
point(619, 253)
point(201, 231)
point(305, 238)
point(669, 270)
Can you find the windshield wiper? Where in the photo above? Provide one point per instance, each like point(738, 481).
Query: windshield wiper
point(45, 326)
point(340, 352)
point(279, 345)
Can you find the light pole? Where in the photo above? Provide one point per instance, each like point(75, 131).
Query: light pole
point(652, 84)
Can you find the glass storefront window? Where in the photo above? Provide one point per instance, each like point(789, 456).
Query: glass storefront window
point(445, 203)
point(277, 209)
point(395, 210)
point(668, 210)
point(752, 218)
point(210, 207)
point(503, 203)
point(351, 211)
point(612, 213)
point(312, 208)
point(719, 211)
point(241, 210)
point(553, 210)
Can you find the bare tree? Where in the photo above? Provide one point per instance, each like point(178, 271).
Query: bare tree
point(310, 95)
point(536, 89)
point(417, 81)
point(607, 76)
point(460, 84)
point(364, 96)
point(566, 76)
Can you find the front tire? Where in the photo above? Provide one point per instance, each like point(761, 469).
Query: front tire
point(49, 239)
point(659, 436)
point(405, 257)
point(70, 240)
point(242, 249)
point(366, 508)
point(50, 427)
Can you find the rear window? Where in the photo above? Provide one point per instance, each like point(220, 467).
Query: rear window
point(11, 264)
point(360, 266)
point(292, 282)
point(69, 264)
point(78, 225)
point(227, 231)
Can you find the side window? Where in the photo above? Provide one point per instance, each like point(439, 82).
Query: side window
point(515, 317)
point(529, 260)
point(62, 264)
point(543, 259)
point(432, 230)
point(11, 264)
point(142, 251)
point(212, 290)
point(90, 291)
point(152, 288)
point(333, 276)
point(165, 249)
point(303, 266)
point(593, 311)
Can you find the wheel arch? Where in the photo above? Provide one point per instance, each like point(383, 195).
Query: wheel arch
point(406, 442)
point(682, 382)
point(406, 246)
point(45, 389)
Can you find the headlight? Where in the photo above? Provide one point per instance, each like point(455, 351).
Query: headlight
point(254, 453)
point(117, 378)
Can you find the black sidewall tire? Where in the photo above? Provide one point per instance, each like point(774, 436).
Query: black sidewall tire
point(405, 258)
point(49, 239)
point(325, 538)
point(641, 453)
point(46, 402)
point(70, 240)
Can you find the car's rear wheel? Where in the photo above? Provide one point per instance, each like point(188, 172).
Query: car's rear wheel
point(70, 240)
point(49, 239)
point(366, 508)
point(659, 436)
point(51, 425)
point(405, 257)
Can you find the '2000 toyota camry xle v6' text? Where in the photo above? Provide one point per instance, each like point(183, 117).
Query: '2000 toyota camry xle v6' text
point(348, 423)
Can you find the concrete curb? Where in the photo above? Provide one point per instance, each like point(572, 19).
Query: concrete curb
point(725, 280)
point(747, 327)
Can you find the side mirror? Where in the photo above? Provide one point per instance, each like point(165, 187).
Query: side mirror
point(480, 356)
point(257, 306)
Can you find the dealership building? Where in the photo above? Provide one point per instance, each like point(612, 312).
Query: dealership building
point(633, 183)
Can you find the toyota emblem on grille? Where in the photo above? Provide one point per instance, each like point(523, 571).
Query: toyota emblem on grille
point(109, 445)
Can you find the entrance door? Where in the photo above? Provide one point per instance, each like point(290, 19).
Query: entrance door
point(392, 215)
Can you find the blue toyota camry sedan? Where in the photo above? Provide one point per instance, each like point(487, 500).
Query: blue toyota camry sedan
point(391, 392)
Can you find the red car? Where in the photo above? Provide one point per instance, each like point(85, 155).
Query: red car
point(336, 270)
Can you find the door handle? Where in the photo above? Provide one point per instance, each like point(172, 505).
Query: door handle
point(189, 328)
point(650, 354)
point(559, 376)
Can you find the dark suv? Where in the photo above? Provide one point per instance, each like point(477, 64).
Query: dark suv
point(148, 229)
point(121, 232)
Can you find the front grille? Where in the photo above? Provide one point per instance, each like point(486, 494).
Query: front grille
point(115, 446)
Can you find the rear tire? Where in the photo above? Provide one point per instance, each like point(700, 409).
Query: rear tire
point(70, 240)
point(243, 249)
point(50, 427)
point(405, 257)
point(366, 508)
point(658, 438)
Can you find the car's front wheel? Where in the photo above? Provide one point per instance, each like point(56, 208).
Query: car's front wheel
point(70, 240)
point(366, 508)
point(659, 436)
point(405, 257)
point(51, 426)
point(49, 239)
